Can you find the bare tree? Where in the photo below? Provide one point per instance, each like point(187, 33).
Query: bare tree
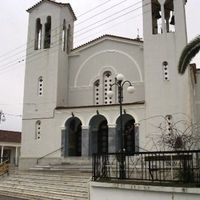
point(175, 135)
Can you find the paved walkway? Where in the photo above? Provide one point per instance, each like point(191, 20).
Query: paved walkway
point(9, 198)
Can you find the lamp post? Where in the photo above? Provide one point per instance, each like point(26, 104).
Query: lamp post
point(2, 116)
point(119, 82)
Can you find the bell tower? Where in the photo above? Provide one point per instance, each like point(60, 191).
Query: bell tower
point(50, 40)
point(164, 25)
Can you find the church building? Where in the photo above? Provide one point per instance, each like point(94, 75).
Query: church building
point(67, 110)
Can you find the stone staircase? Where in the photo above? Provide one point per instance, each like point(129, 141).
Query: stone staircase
point(46, 184)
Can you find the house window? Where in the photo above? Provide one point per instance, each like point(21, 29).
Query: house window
point(64, 35)
point(38, 34)
point(40, 86)
point(156, 17)
point(107, 80)
point(47, 34)
point(96, 92)
point(38, 130)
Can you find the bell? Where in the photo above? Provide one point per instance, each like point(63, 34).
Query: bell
point(157, 15)
point(172, 22)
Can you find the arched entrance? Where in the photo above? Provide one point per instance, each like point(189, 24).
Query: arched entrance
point(98, 131)
point(73, 142)
point(128, 131)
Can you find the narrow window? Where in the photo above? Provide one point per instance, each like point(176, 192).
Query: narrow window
point(107, 80)
point(169, 16)
point(38, 130)
point(47, 35)
point(68, 39)
point(156, 17)
point(40, 86)
point(165, 71)
point(169, 126)
point(38, 34)
point(64, 35)
point(96, 92)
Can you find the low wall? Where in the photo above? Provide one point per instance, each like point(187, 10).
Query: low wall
point(110, 191)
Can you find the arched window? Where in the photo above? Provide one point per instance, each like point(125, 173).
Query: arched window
point(101, 88)
point(64, 35)
point(47, 34)
point(156, 17)
point(107, 80)
point(169, 16)
point(96, 92)
point(40, 86)
point(38, 130)
point(68, 39)
point(38, 34)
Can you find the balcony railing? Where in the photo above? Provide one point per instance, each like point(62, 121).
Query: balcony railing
point(157, 167)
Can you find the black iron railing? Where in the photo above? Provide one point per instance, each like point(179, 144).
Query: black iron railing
point(168, 166)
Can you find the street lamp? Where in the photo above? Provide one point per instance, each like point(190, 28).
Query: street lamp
point(2, 116)
point(119, 82)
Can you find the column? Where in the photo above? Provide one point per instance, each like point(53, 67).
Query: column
point(2, 149)
point(16, 156)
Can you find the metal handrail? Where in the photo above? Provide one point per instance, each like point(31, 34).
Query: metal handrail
point(48, 154)
point(4, 168)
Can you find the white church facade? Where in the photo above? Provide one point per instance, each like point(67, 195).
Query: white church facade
point(67, 111)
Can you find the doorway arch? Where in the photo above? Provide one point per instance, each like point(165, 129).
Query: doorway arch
point(128, 131)
point(98, 131)
point(73, 144)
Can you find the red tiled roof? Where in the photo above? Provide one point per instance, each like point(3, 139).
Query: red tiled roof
point(55, 3)
point(10, 136)
point(109, 36)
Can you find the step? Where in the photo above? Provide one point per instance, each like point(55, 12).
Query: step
point(50, 187)
point(83, 168)
point(31, 196)
point(37, 191)
point(46, 185)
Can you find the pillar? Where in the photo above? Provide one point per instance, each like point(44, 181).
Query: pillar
point(2, 149)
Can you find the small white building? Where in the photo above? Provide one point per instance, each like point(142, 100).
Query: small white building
point(67, 110)
point(10, 144)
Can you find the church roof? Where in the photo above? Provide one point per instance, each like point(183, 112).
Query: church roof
point(105, 37)
point(10, 136)
point(55, 3)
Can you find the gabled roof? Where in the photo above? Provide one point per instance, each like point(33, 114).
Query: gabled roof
point(10, 136)
point(107, 37)
point(55, 3)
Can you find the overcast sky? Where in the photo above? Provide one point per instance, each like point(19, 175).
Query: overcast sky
point(123, 19)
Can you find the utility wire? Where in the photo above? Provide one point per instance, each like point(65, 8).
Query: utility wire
point(96, 22)
point(111, 20)
point(103, 11)
point(32, 40)
point(23, 58)
point(114, 25)
point(92, 9)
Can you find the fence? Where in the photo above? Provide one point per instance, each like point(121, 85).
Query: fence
point(168, 166)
